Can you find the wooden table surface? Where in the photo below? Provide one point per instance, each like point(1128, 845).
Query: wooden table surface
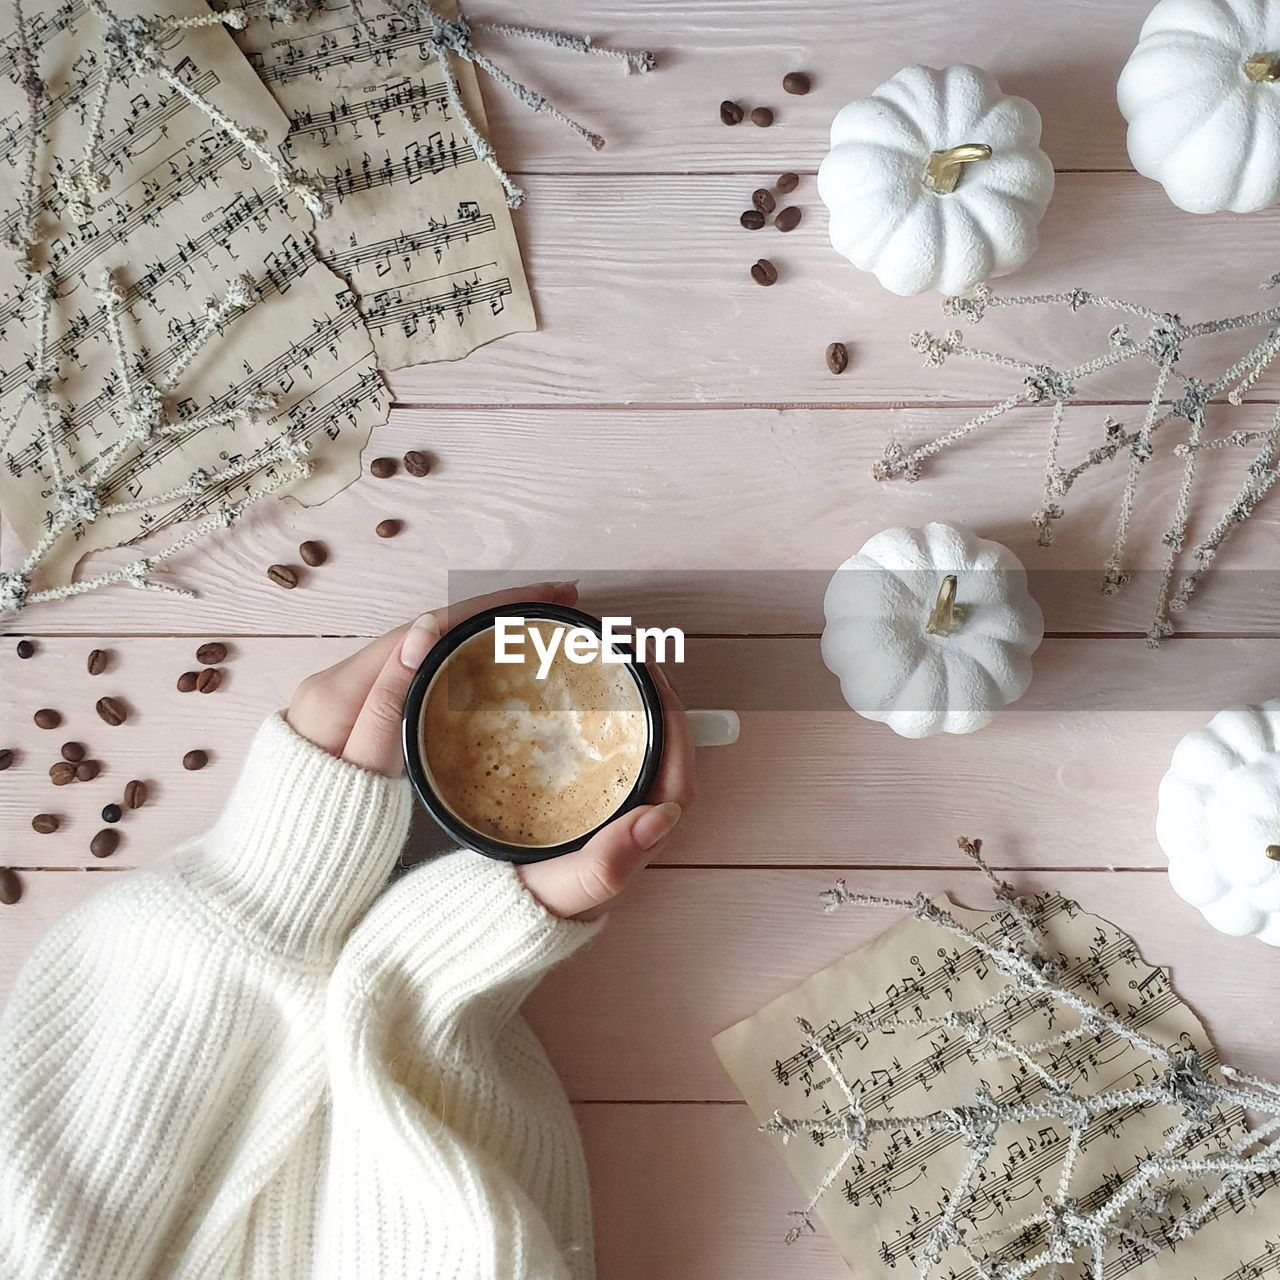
point(670, 416)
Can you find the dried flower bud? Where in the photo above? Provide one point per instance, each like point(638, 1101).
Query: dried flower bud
point(240, 291)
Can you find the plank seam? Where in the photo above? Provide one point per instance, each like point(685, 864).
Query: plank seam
point(905, 868)
point(1108, 636)
point(748, 174)
point(657, 1102)
point(738, 406)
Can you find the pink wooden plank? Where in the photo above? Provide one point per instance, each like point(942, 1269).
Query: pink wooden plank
point(694, 951)
point(649, 299)
point(809, 781)
point(693, 1193)
point(163, 725)
point(689, 952)
point(630, 500)
point(1066, 61)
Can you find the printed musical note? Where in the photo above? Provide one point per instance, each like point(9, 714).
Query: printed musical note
point(411, 200)
point(185, 213)
point(877, 1224)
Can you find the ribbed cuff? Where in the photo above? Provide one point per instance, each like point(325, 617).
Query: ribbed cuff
point(467, 925)
point(304, 845)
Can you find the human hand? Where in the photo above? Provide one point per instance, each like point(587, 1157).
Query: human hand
point(583, 884)
point(354, 708)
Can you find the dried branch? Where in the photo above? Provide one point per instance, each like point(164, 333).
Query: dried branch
point(1138, 1212)
point(148, 421)
point(1162, 347)
point(445, 36)
point(135, 48)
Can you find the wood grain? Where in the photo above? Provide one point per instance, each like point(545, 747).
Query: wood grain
point(809, 782)
point(671, 416)
point(1065, 58)
point(695, 951)
point(764, 502)
point(694, 1193)
point(648, 300)
point(691, 951)
point(162, 726)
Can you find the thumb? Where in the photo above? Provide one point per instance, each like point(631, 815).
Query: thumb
point(583, 883)
point(374, 742)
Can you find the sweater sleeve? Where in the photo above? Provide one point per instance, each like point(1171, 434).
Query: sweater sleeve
point(253, 1060)
point(450, 1126)
point(161, 1056)
point(305, 844)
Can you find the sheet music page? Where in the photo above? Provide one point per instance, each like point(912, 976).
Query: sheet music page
point(884, 1202)
point(186, 212)
point(420, 226)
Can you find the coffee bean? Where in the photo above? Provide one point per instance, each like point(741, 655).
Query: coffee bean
point(388, 528)
point(45, 823)
point(194, 760)
point(96, 663)
point(112, 710)
point(209, 679)
point(752, 219)
point(762, 117)
point(211, 654)
point(730, 112)
point(47, 718)
point(105, 843)
point(313, 553)
point(417, 463)
point(10, 887)
point(187, 682)
point(837, 357)
point(6, 757)
point(135, 794)
point(787, 182)
point(112, 813)
point(283, 576)
point(73, 751)
point(763, 200)
point(383, 468)
point(796, 82)
point(788, 219)
point(87, 770)
point(26, 649)
point(61, 772)
point(764, 272)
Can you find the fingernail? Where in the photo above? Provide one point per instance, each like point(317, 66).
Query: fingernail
point(418, 641)
point(565, 592)
point(656, 824)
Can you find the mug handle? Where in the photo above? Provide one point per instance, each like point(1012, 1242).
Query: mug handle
point(713, 728)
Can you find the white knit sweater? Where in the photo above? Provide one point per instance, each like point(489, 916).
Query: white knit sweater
point(254, 1062)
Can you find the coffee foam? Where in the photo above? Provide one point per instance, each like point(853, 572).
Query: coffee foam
point(528, 761)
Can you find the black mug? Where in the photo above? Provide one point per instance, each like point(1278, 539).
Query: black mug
point(420, 773)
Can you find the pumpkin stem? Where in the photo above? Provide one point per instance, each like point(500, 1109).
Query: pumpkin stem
point(1262, 67)
point(1273, 852)
point(947, 616)
point(945, 167)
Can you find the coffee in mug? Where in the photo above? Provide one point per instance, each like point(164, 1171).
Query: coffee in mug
point(526, 760)
point(521, 767)
point(530, 756)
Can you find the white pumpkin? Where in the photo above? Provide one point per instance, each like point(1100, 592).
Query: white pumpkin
point(936, 181)
point(1201, 93)
point(931, 630)
point(1219, 820)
